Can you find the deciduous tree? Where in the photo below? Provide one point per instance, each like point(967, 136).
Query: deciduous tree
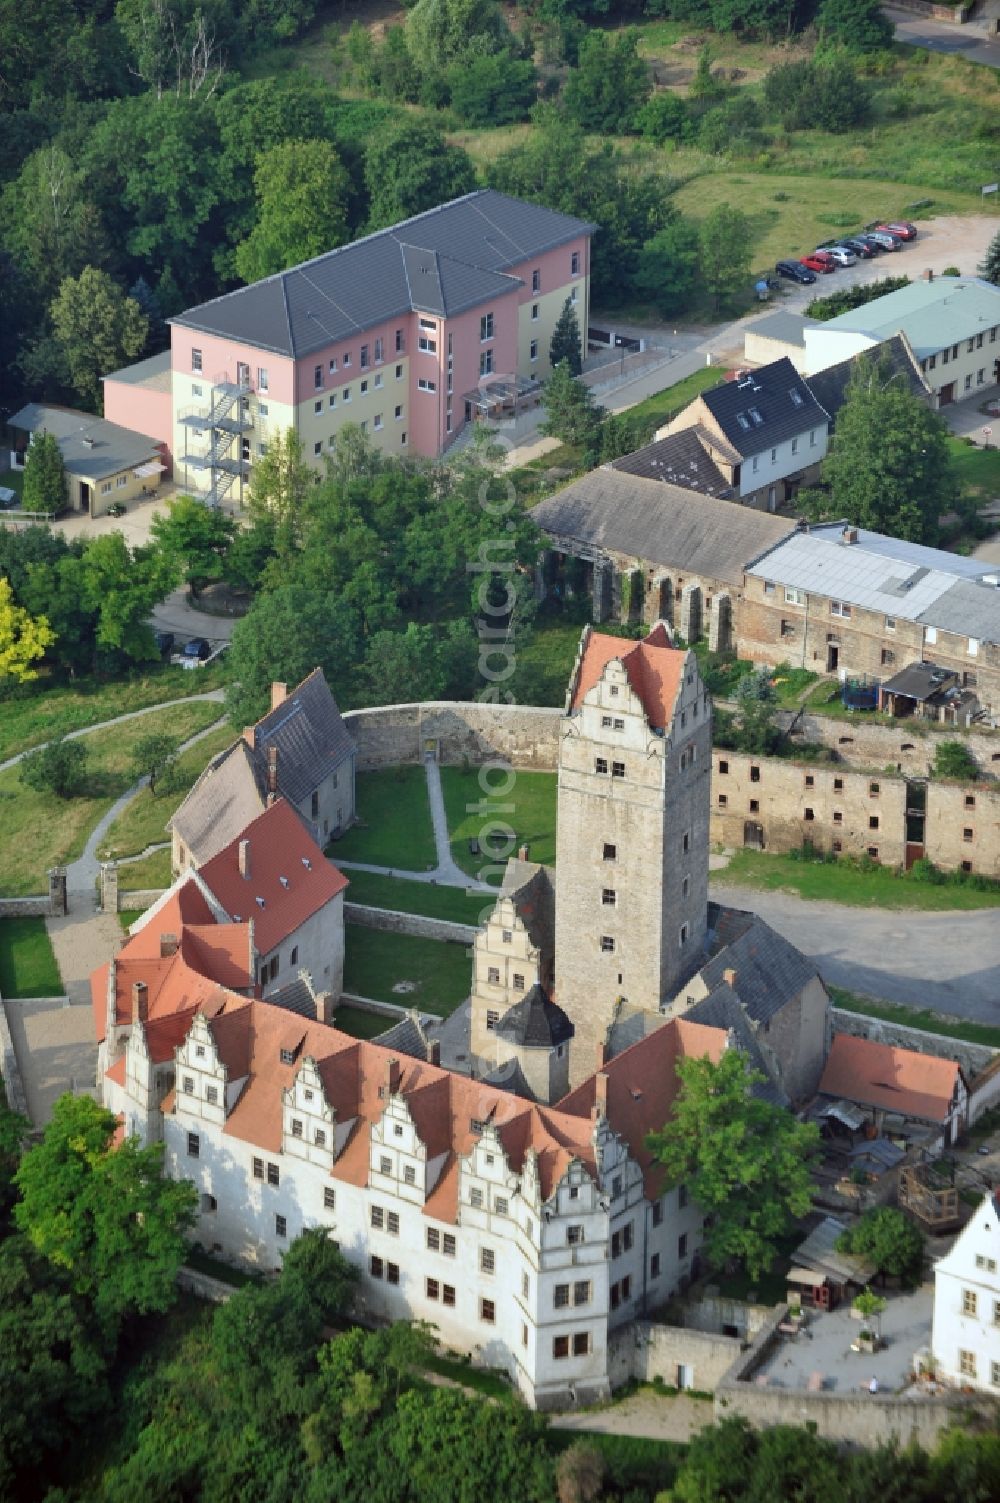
point(302, 191)
point(890, 1240)
point(98, 328)
point(403, 666)
point(23, 639)
point(756, 708)
point(409, 167)
point(726, 250)
point(44, 475)
point(745, 1162)
point(565, 345)
point(668, 267)
point(495, 89)
point(286, 633)
point(122, 585)
point(857, 25)
point(152, 758)
point(60, 767)
point(439, 32)
point(610, 83)
point(196, 537)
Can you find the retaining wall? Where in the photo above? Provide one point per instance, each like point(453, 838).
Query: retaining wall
point(10, 1070)
point(413, 923)
point(911, 744)
point(645, 1350)
point(142, 897)
point(455, 731)
point(27, 907)
point(712, 1313)
point(972, 1057)
point(203, 1285)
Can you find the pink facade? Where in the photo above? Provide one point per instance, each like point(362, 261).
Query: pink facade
point(376, 347)
point(555, 270)
point(142, 409)
point(220, 360)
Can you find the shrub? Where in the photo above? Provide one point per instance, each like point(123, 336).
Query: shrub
point(59, 768)
point(953, 759)
point(951, 271)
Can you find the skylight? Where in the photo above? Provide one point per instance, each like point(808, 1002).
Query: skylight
point(757, 419)
point(743, 421)
point(796, 397)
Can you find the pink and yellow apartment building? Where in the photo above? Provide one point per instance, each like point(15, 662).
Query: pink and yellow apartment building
point(410, 333)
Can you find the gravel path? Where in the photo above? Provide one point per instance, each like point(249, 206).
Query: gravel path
point(216, 696)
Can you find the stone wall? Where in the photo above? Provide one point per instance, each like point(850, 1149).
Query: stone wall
point(413, 923)
point(141, 898)
point(454, 731)
point(644, 1350)
point(10, 1070)
point(25, 907)
point(193, 1281)
point(973, 1058)
point(716, 1315)
point(909, 745)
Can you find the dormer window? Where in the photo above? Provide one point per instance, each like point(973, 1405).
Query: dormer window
point(758, 421)
point(260, 902)
point(283, 881)
point(288, 1056)
point(307, 863)
point(743, 421)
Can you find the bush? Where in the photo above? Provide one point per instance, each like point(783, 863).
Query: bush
point(951, 271)
point(953, 759)
point(847, 298)
point(664, 117)
point(59, 768)
point(497, 90)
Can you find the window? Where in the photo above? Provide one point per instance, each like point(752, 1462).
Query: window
point(810, 780)
point(682, 1197)
point(795, 446)
point(296, 1127)
point(601, 765)
point(574, 1236)
point(967, 1364)
point(534, 312)
point(536, 281)
point(657, 1212)
point(318, 378)
point(574, 264)
point(930, 635)
point(873, 789)
point(968, 834)
point(873, 821)
point(492, 1017)
point(347, 359)
point(560, 1347)
point(794, 597)
point(994, 1366)
point(487, 1260)
point(756, 462)
point(318, 447)
point(258, 1168)
point(872, 851)
point(581, 1292)
point(280, 1226)
point(686, 842)
point(533, 350)
point(970, 800)
point(973, 647)
point(500, 1205)
point(839, 608)
point(376, 1267)
point(754, 809)
point(346, 394)
point(838, 816)
point(212, 1095)
point(378, 421)
point(424, 385)
point(385, 1165)
point(448, 1294)
point(618, 769)
point(262, 379)
point(682, 938)
point(837, 846)
point(194, 1145)
point(610, 852)
point(654, 1266)
point(121, 482)
point(486, 327)
point(838, 785)
point(560, 1296)
point(364, 357)
point(487, 1311)
point(573, 294)
point(433, 1239)
point(609, 897)
point(517, 981)
point(273, 1174)
point(486, 363)
point(493, 975)
point(377, 1218)
point(996, 1302)
point(682, 1245)
point(581, 1343)
point(364, 388)
point(754, 774)
point(427, 346)
point(723, 800)
point(607, 944)
point(808, 814)
point(476, 1197)
point(196, 360)
point(448, 1245)
point(399, 373)
point(329, 1199)
point(888, 656)
point(432, 1288)
point(890, 623)
point(409, 1174)
point(392, 1223)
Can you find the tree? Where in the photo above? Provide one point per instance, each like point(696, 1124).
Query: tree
point(664, 117)
point(152, 758)
point(888, 1239)
point(23, 639)
point(610, 83)
point(990, 267)
point(704, 84)
point(286, 633)
point(409, 167)
point(280, 485)
point(756, 707)
point(60, 767)
point(745, 1162)
point(565, 345)
point(44, 475)
point(492, 90)
point(571, 413)
point(668, 267)
point(953, 759)
point(580, 1473)
point(889, 467)
point(403, 666)
point(857, 25)
point(13, 1131)
point(122, 585)
point(196, 538)
point(725, 252)
point(439, 32)
point(870, 1306)
point(106, 1215)
point(302, 191)
point(98, 328)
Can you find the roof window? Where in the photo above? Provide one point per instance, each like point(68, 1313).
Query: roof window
point(283, 881)
point(307, 863)
point(796, 397)
point(758, 421)
point(743, 421)
point(260, 902)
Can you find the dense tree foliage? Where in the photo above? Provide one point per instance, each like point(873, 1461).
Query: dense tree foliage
point(196, 538)
point(890, 1240)
point(410, 167)
point(44, 488)
point(609, 85)
point(302, 193)
point(857, 25)
point(571, 412)
point(725, 252)
point(58, 767)
point(989, 267)
point(23, 639)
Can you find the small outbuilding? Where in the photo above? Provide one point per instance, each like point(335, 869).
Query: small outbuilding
point(104, 462)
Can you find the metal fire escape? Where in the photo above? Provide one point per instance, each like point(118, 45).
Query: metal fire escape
point(227, 422)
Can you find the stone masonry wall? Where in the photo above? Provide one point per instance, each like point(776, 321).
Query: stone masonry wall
point(25, 907)
point(451, 731)
point(644, 1350)
point(972, 1057)
point(411, 923)
point(908, 745)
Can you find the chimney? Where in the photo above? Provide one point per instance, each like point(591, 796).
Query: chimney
point(248, 736)
point(279, 693)
point(168, 945)
point(600, 1108)
point(244, 859)
point(928, 275)
point(433, 1051)
point(324, 1007)
point(272, 774)
point(729, 977)
point(849, 535)
point(522, 852)
point(393, 1075)
point(602, 1054)
point(140, 1001)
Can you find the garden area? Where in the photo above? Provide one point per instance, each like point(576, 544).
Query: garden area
point(143, 822)
point(395, 822)
point(27, 965)
point(407, 970)
point(431, 900)
point(529, 810)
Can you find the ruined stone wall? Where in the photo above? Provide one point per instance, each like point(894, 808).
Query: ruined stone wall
point(456, 731)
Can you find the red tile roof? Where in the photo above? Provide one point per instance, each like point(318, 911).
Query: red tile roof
point(289, 879)
point(654, 670)
point(893, 1079)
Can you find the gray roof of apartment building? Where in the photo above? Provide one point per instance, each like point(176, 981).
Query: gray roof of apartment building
point(535, 1022)
point(153, 372)
point(678, 459)
point(932, 314)
point(829, 387)
point(443, 261)
point(879, 573)
point(764, 407)
point(770, 971)
point(90, 446)
point(609, 510)
point(309, 735)
point(789, 328)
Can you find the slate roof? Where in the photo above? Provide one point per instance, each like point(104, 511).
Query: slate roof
point(770, 972)
point(829, 387)
point(919, 680)
point(930, 314)
point(536, 1022)
point(227, 796)
point(310, 736)
point(510, 1077)
point(969, 607)
point(529, 886)
point(661, 524)
point(680, 459)
point(90, 446)
point(653, 666)
point(764, 408)
point(295, 996)
point(443, 261)
point(407, 1036)
point(724, 1009)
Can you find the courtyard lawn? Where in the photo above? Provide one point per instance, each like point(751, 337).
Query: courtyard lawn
point(128, 916)
point(42, 710)
point(376, 891)
point(438, 975)
point(27, 965)
point(529, 810)
point(913, 1017)
point(360, 1023)
point(396, 829)
point(978, 469)
point(842, 882)
point(38, 831)
point(142, 823)
point(152, 871)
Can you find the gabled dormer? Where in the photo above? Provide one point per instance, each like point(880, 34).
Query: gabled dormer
point(202, 1081)
point(308, 1121)
point(399, 1163)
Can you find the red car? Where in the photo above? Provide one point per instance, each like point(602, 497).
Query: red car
point(901, 227)
point(819, 261)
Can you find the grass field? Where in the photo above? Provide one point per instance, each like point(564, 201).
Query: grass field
point(142, 823)
point(152, 871)
point(416, 897)
point(397, 828)
point(914, 1017)
point(375, 962)
point(41, 710)
point(839, 882)
point(359, 1023)
point(529, 809)
point(978, 469)
point(27, 965)
point(38, 831)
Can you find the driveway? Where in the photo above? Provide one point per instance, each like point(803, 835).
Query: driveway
point(971, 41)
point(949, 962)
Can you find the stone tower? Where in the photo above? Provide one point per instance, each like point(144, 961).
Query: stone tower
point(631, 833)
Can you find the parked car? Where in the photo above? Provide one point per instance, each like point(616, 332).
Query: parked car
point(843, 255)
point(794, 271)
point(860, 247)
point(164, 642)
point(819, 261)
point(901, 227)
point(875, 246)
point(196, 651)
point(8, 498)
point(885, 239)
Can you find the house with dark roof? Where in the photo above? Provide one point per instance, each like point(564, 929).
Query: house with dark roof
point(407, 332)
point(765, 430)
point(105, 462)
point(301, 750)
point(894, 355)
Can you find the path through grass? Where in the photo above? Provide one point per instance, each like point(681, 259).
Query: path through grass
point(28, 967)
point(142, 823)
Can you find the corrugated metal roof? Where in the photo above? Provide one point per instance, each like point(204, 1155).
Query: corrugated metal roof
point(932, 315)
point(442, 261)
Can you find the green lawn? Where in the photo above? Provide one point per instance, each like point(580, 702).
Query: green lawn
point(841, 882)
point(141, 876)
point(41, 710)
point(142, 823)
point(128, 916)
point(27, 965)
point(529, 810)
point(495, 1385)
point(397, 829)
point(38, 831)
point(441, 973)
point(360, 1023)
point(452, 903)
point(978, 469)
point(913, 1017)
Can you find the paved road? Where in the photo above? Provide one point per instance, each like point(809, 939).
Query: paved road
point(946, 961)
point(970, 41)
